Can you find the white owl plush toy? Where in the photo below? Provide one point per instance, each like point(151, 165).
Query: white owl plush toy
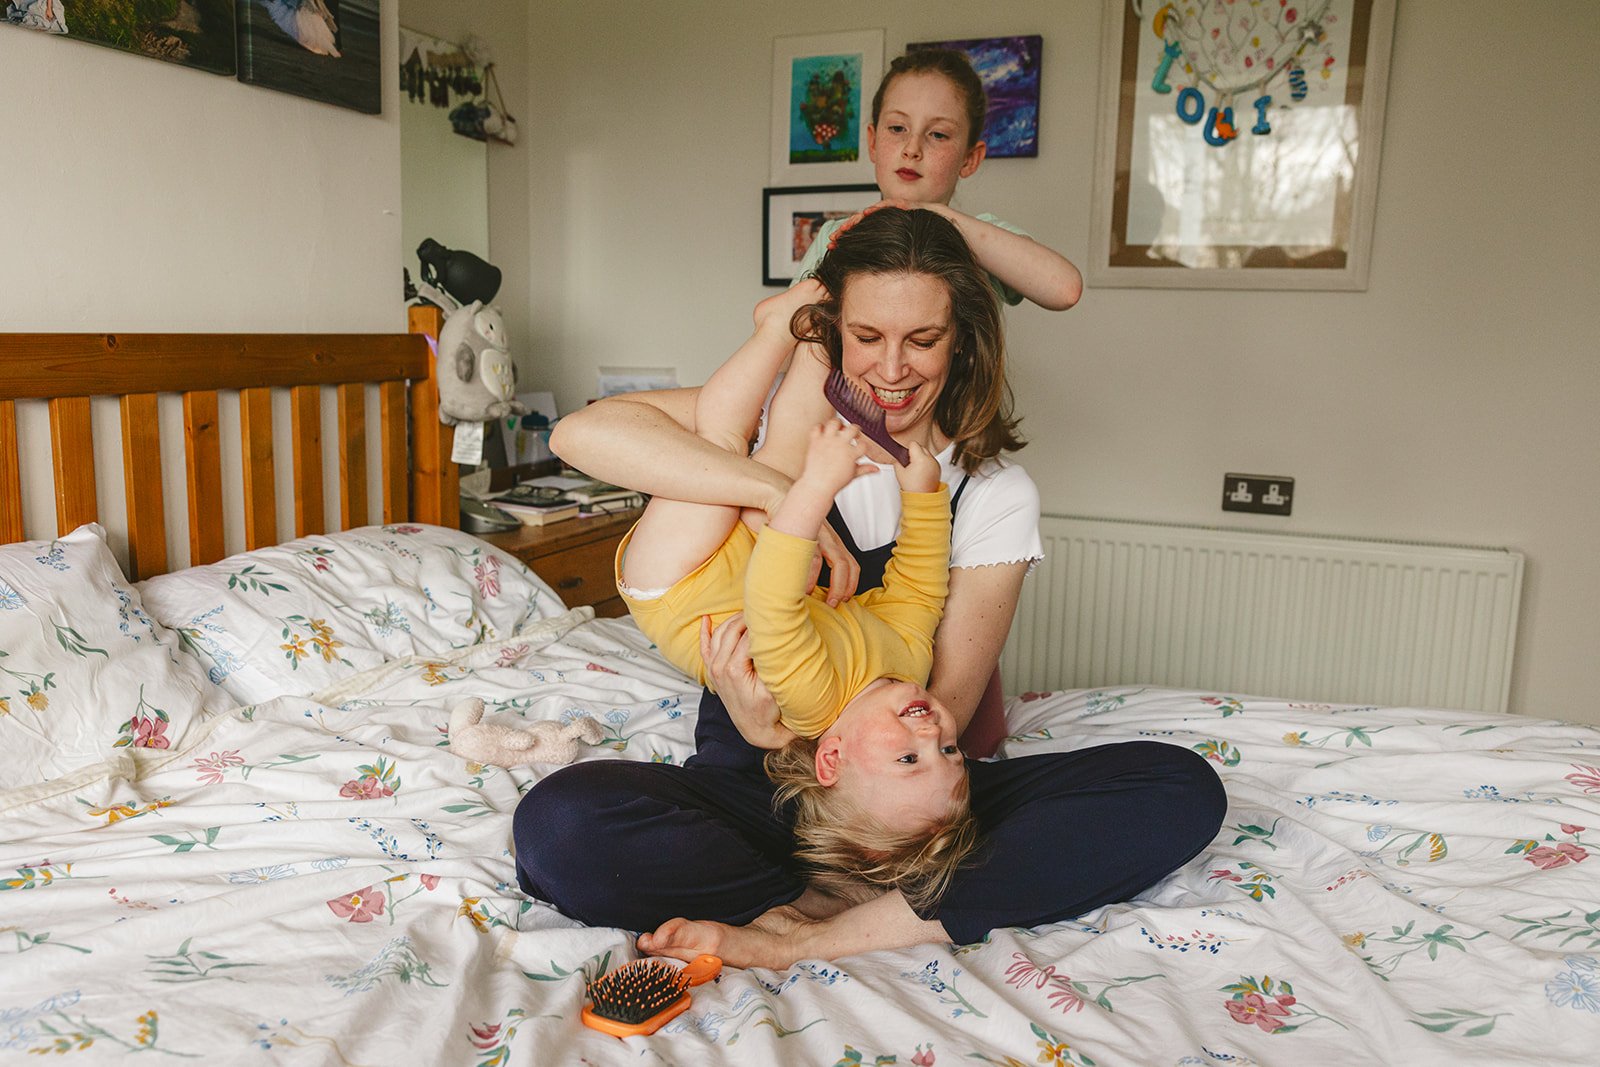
point(476, 375)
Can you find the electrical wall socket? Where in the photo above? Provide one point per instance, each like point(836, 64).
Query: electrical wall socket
point(1269, 494)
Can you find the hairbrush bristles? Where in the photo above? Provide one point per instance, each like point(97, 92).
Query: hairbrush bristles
point(851, 401)
point(643, 996)
point(636, 991)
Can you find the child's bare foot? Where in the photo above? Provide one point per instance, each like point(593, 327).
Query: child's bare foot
point(921, 475)
point(779, 309)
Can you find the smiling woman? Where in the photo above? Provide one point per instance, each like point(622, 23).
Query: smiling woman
point(909, 314)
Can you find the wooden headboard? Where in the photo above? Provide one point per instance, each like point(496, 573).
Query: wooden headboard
point(66, 369)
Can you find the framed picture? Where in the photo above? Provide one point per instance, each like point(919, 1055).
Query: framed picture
point(1009, 70)
point(323, 49)
point(198, 33)
point(1238, 145)
point(791, 217)
point(822, 90)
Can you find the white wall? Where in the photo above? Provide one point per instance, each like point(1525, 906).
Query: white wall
point(147, 197)
point(1454, 400)
point(144, 196)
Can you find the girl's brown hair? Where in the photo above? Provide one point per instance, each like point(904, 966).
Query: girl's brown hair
point(845, 849)
point(952, 65)
point(975, 407)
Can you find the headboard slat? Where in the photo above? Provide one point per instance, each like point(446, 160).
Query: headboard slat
point(435, 479)
point(352, 456)
point(203, 466)
point(72, 448)
point(67, 370)
point(141, 478)
point(10, 475)
point(305, 406)
point(260, 498)
point(392, 431)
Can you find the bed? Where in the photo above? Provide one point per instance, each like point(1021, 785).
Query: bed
point(231, 825)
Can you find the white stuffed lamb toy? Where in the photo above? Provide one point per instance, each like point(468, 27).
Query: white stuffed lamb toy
point(476, 376)
point(509, 746)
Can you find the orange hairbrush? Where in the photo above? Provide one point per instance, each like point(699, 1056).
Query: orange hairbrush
point(643, 996)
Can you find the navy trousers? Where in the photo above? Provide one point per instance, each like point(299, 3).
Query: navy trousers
point(621, 843)
point(629, 844)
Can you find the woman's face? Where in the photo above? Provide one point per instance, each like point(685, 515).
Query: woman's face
point(898, 335)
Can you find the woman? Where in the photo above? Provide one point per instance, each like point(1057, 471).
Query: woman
point(911, 318)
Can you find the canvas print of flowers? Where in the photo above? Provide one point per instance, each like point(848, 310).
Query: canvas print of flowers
point(1009, 68)
point(825, 109)
point(323, 49)
point(195, 33)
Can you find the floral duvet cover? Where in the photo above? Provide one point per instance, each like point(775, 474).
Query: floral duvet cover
point(318, 879)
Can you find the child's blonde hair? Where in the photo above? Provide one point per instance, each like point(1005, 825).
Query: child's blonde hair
point(846, 848)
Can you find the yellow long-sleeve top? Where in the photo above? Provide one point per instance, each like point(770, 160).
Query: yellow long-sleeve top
point(816, 658)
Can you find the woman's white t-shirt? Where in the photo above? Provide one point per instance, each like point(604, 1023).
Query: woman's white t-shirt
point(997, 518)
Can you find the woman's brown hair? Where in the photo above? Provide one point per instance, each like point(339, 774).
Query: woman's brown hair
point(952, 65)
point(975, 407)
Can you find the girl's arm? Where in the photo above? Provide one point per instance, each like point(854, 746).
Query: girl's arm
point(1039, 273)
point(966, 647)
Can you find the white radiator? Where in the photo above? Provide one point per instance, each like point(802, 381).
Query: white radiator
point(1308, 618)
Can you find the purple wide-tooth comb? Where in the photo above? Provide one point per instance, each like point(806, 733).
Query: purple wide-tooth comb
point(851, 401)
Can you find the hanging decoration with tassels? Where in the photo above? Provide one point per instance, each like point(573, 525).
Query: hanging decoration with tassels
point(1236, 50)
point(437, 72)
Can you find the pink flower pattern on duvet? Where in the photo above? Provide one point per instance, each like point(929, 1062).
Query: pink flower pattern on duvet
point(487, 574)
point(362, 906)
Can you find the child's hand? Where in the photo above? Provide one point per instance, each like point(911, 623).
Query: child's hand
point(921, 475)
point(778, 310)
point(847, 224)
point(832, 458)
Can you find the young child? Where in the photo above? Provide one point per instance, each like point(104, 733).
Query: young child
point(927, 118)
point(872, 752)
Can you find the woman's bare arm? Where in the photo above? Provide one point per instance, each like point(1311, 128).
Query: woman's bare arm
point(966, 647)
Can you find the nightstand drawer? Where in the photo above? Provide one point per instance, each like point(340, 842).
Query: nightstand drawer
point(581, 575)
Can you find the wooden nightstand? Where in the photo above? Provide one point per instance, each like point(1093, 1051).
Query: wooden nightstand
point(576, 556)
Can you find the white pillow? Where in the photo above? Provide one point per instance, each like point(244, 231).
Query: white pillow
point(84, 670)
point(298, 617)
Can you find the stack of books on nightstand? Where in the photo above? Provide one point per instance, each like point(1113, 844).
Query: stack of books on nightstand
point(602, 498)
point(537, 505)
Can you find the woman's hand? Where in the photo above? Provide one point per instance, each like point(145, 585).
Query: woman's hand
point(843, 570)
point(726, 652)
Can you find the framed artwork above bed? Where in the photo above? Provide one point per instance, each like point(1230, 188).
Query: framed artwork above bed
point(790, 219)
point(822, 88)
point(1238, 144)
point(326, 50)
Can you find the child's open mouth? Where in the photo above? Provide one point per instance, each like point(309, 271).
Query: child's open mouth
point(917, 709)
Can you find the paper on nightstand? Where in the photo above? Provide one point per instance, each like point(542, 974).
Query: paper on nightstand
point(614, 380)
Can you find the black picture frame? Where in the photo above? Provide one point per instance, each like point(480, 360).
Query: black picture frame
point(785, 208)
